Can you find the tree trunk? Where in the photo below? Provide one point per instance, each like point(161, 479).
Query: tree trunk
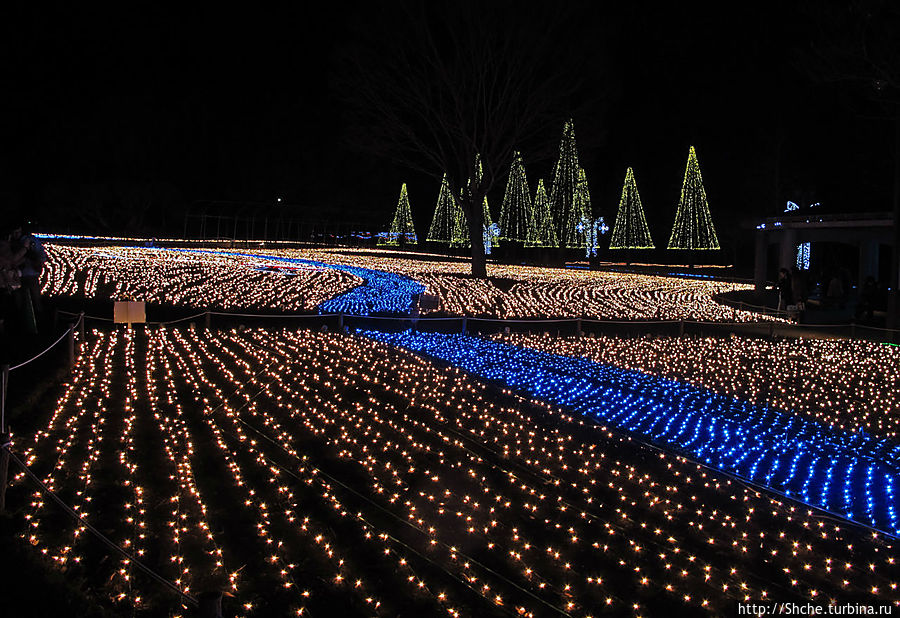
point(476, 237)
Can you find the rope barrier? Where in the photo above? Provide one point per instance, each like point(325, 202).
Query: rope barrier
point(150, 572)
point(47, 349)
point(270, 315)
point(190, 317)
point(586, 320)
point(87, 317)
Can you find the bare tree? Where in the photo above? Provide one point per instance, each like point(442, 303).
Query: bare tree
point(856, 44)
point(433, 84)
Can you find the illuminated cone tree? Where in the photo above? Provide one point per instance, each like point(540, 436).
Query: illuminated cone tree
point(630, 230)
point(565, 204)
point(583, 208)
point(402, 228)
point(693, 229)
point(442, 225)
point(541, 231)
point(516, 211)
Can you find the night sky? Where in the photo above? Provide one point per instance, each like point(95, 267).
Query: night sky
point(170, 106)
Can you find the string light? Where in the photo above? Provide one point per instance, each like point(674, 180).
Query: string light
point(734, 436)
point(365, 282)
point(396, 481)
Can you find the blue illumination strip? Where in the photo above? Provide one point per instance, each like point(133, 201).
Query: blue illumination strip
point(851, 474)
point(381, 292)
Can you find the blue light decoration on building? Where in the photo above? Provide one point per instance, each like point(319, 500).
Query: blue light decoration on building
point(803, 256)
point(791, 206)
point(851, 474)
point(380, 293)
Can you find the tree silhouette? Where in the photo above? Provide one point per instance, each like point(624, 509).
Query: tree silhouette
point(432, 84)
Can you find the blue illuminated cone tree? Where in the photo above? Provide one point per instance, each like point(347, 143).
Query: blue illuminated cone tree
point(630, 230)
point(541, 231)
point(693, 229)
point(516, 212)
point(402, 229)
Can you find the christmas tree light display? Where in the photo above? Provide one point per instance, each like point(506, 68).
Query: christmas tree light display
point(583, 208)
point(566, 204)
point(541, 230)
point(441, 230)
point(402, 227)
point(630, 230)
point(693, 227)
point(517, 210)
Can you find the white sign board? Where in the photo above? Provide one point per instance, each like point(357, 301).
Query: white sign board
point(129, 312)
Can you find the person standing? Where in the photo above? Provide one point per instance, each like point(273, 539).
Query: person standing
point(785, 290)
point(30, 267)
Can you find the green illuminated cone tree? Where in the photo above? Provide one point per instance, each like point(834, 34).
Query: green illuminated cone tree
point(402, 229)
point(564, 203)
point(541, 231)
point(441, 230)
point(582, 208)
point(516, 212)
point(630, 230)
point(693, 229)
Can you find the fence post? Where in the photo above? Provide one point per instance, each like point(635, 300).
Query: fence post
point(771, 329)
point(4, 439)
point(71, 339)
point(464, 325)
point(681, 328)
point(210, 604)
point(81, 336)
point(207, 319)
point(4, 468)
point(578, 328)
point(852, 329)
point(4, 381)
point(341, 321)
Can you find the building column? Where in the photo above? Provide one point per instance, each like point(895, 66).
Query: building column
point(868, 260)
point(787, 255)
point(761, 261)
